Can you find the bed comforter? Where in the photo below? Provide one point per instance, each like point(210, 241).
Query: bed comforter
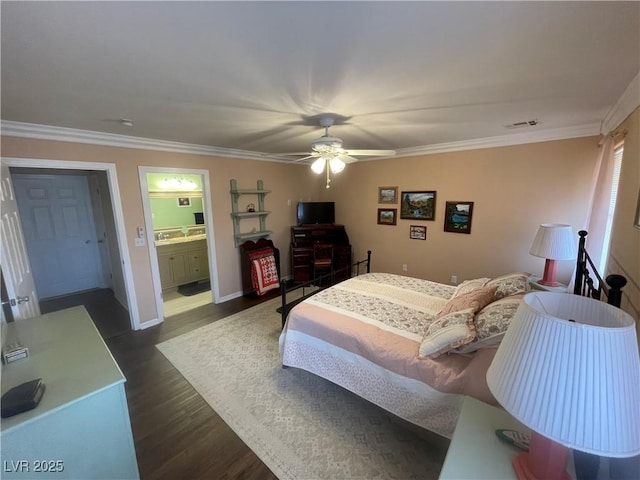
point(364, 335)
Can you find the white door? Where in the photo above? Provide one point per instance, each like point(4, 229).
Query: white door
point(59, 231)
point(14, 261)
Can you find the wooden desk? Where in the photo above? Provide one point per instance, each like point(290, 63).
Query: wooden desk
point(81, 427)
point(303, 237)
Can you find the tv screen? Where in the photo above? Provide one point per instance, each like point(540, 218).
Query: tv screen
point(316, 212)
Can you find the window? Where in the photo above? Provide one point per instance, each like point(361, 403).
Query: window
point(615, 180)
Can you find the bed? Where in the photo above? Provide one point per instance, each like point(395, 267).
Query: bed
point(411, 346)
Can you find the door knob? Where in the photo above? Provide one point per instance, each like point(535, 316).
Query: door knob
point(22, 300)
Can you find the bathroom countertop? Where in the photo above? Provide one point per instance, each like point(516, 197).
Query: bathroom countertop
point(173, 241)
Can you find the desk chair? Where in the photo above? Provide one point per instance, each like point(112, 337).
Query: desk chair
point(322, 260)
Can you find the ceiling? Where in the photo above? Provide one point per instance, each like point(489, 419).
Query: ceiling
point(255, 76)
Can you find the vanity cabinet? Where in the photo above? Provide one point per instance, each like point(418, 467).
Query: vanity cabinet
point(182, 263)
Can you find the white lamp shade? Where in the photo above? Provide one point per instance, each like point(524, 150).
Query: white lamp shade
point(554, 241)
point(318, 165)
point(577, 383)
point(336, 165)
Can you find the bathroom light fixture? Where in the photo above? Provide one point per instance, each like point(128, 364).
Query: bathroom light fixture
point(176, 183)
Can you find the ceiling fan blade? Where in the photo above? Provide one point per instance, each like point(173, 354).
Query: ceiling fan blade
point(379, 153)
point(304, 158)
point(347, 158)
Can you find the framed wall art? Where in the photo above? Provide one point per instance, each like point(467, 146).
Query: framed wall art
point(418, 232)
point(387, 216)
point(457, 217)
point(418, 205)
point(184, 201)
point(387, 194)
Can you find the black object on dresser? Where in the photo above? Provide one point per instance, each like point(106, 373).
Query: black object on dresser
point(304, 237)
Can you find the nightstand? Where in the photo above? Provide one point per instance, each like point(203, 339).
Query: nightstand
point(533, 281)
point(475, 451)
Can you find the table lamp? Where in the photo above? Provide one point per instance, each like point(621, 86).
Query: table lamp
point(568, 368)
point(554, 241)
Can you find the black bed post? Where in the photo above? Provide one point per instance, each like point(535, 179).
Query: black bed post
point(283, 299)
point(368, 261)
point(616, 283)
point(580, 264)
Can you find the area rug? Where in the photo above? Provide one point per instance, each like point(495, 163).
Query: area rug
point(300, 425)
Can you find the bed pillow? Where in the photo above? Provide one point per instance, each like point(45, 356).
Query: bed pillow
point(448, 332)
point(510, 284)
point(491, 323)
point(475, 299)
point(470, 285)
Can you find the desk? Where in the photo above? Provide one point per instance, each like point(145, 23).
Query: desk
point(81, 427)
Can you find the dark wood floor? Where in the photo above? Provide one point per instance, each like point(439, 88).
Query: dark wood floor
point(177, 435)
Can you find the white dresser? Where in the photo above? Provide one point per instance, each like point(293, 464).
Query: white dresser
point(81, 427)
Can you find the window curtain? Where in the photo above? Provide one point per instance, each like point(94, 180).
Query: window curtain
point(596, 221)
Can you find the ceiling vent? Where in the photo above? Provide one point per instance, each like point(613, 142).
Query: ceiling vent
point(524, 124)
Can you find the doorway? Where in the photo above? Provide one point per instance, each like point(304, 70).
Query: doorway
point(179, 228)
point(112, 250)
point(60, 232)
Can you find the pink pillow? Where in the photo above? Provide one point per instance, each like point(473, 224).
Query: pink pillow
point(475, 299)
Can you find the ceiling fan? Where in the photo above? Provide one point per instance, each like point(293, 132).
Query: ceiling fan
point(329, 153)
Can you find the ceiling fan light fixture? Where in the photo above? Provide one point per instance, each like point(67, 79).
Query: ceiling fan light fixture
point(336, 165)
point(318, 165)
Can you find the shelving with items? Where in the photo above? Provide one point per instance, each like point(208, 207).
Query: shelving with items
point(252, 211)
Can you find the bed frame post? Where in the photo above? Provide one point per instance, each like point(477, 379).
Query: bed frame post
point(616, 283)
point(368, 261)
point(580, 264)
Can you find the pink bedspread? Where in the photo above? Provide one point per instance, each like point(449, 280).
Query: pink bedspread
point(381, 317)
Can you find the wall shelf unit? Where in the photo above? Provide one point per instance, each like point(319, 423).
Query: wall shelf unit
point(260, 213)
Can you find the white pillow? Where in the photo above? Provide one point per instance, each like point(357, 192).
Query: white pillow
point(448, 332)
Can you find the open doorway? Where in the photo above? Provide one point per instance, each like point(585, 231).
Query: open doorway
point(179, 226)
point(106, 252)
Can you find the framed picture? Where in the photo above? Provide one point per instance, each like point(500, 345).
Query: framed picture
point(184, 202)
point(636, 222)
point(418, 232)
point(418, 205)
point(387, 216)
point(387, 194)
point(457, 217)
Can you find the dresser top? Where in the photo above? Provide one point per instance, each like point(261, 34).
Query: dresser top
point(67, 352)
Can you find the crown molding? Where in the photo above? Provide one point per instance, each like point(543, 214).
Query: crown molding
point(504, 140)
point(626, 104)
point(63, 134)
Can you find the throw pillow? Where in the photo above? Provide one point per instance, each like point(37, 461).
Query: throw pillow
point(470, 285)
point(448, 332)
point(510, 284)
point(475, 299)
point(491, 323)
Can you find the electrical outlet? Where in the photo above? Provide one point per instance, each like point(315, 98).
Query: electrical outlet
point(404, 267)
point(139, 242)
point(454, 279)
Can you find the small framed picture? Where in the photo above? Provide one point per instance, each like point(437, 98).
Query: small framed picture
point(387, 194)
point(457, 217)
point(184, 202)
point(387, 216)
point(418, 205)
point(418, 232)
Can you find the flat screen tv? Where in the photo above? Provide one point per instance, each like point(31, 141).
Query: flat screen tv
point(316, 212)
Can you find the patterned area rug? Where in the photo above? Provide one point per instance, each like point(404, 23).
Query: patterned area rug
point(300, 425)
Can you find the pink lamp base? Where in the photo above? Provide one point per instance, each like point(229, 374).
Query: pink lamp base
point(546, 460)
point(549, 276)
